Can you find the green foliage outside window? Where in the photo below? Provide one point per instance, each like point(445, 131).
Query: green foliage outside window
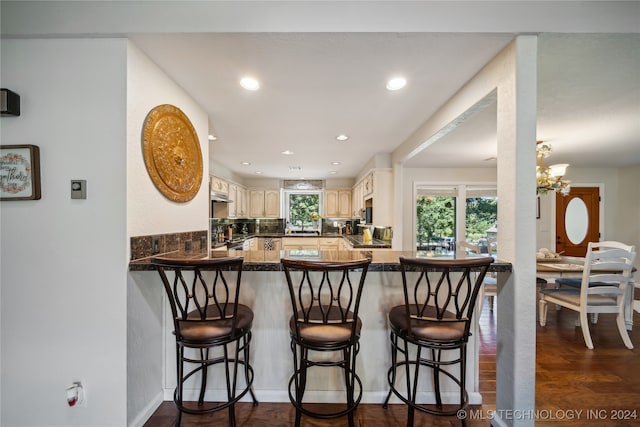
point(436, 218)
point(302, 207)
point(482, 214)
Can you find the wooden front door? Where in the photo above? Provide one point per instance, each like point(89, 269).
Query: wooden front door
point(577, 220)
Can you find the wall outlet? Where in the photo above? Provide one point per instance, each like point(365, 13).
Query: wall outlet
point(77, 395)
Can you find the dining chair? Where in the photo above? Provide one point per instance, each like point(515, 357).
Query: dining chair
point(490, 283)
point(325, 299)
point(606, 274)
point(434, 322)
point(211, 328)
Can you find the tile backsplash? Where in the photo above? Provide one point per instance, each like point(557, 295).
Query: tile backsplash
point(146, 246)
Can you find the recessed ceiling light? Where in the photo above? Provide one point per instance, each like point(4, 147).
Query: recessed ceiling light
point(249, 83)
point(212, 137)
point(333, 172)
point(259, 172)
point(396, 83)
point(335, 163)
point(287, 152)
point(245, 163)
point(342, 137)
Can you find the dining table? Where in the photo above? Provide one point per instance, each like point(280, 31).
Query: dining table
point(551, 269)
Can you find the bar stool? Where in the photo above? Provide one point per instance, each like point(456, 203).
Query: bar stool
point(211, 325)
point(325, 297)
point(440, 296)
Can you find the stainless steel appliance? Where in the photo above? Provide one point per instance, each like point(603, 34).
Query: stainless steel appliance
point(368, 215)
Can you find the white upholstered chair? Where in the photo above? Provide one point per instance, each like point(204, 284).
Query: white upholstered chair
point(607, 272)
point(490, 282)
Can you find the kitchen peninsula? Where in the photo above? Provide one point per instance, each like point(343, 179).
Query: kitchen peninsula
point(264, 289)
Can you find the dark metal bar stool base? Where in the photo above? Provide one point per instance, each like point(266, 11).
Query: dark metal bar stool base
point(323, 415)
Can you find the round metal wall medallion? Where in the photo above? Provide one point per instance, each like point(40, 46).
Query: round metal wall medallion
point(172, 153)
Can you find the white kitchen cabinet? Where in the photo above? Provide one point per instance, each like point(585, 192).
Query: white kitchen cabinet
point(219, 185)
point(337, 203)
point(330, 243)
point(300, 243)
point(344, 204)
point(375, 190)
point(264, 203)
point(275, 244)
point(233, 196)
point(357, 200)
point(331, 203)
point(241, 202)
point(367, 188)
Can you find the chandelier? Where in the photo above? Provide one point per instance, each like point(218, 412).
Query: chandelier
point(549, 178)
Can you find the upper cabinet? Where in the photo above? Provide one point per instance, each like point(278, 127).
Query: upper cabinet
point(367, 185)
point(264, 203)
point(376, 188)
point(219, 185)
point(344, 203)
point(233, 200)
point(337, 203)
point(357, 200)
point(237, 195)
point(242, 210)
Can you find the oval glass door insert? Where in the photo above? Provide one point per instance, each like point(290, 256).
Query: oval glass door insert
point(576, 220)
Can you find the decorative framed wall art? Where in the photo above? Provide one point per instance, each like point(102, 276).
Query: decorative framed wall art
point(19, 172)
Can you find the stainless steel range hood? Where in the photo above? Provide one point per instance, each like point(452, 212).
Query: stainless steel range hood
point(220, 197)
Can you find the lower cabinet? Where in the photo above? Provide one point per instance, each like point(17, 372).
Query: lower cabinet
point(313, 243)
point(330, 244)
point(300, 243)
point(267, 244)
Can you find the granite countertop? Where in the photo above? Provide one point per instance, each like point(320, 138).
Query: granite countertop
point(381, 260)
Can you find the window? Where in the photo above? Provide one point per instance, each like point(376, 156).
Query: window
point(303, 210)
point(445, 214)
point(303, 204)
point(436, 222)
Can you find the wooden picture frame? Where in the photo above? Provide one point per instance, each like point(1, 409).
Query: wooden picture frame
point(19, 172)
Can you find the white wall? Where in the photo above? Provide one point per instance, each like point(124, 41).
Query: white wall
point(149, 212)
point(628, 209)
point(64, 262)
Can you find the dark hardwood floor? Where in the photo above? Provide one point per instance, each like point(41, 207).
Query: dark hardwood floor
point(575, 386)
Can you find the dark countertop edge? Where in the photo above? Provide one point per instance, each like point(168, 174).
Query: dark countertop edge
point(144, 264)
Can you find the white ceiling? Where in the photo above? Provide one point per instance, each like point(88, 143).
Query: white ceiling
point(315, 86)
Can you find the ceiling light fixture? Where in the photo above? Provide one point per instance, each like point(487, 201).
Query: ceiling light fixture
point(287, 152)
point(249, 83)
point(335, 163)
point(245, 163)
point(212, 137)
point(333, 173)
point(258, 172)
point(396, 83)
point(342, 137)
point(549, 178)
